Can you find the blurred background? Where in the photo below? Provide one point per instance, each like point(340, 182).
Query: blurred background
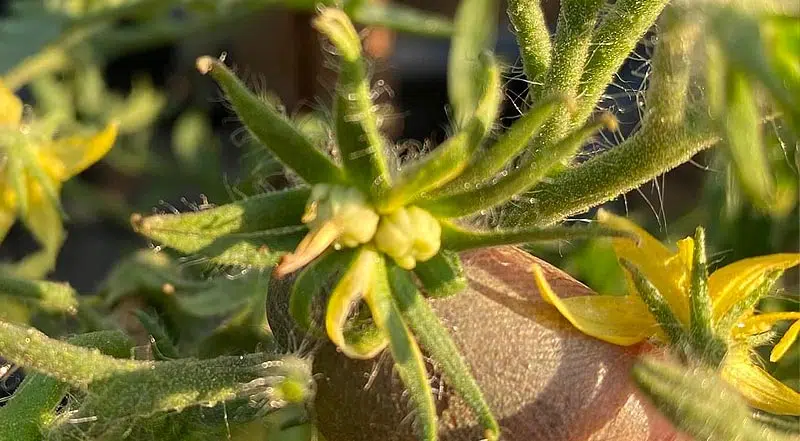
point(181, 148)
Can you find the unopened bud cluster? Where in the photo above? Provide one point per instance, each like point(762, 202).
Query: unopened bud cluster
point(407, 235)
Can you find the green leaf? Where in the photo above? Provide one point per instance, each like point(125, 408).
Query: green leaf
point(739, 35)
point(434, 338)
point(442, 275)
point(26, 30)
point(360, 143)
point(252, 232)
point(402, 18)
point(409, 363)
point(645, 155)
point(272, 129)
point(163, 348)
point(742, 123)
point(700, 307)
point(474, 33)
point(222, 296)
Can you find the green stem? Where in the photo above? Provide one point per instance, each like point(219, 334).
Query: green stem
point(612, 42)
point(533, 38)
point(488, 162)
point(535, 167)
point(458, 238)
point(651, 151)
point(74, 365)
point(576, 19)
point(49, 296)
point(31, 408)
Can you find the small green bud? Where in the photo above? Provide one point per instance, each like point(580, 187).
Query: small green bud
point(409, 235)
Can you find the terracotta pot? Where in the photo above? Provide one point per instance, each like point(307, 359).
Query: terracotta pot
point(544, 380)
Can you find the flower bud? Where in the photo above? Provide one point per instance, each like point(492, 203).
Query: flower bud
point(409, 235)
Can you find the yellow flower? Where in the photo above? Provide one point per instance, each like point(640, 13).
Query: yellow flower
point(626, 320)
point(33, 168)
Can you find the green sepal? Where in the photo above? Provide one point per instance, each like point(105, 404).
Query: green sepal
point(26, 416)
point(448, 160)
point(699, 402)
point(50, 297)
point(434, 338)
point(657, 305)
point(408, 359)
point(460, 238)
point(272, 129)
point(442, 275)
point(251, 232)
point(360, 143)
point(312, 282)
point(700, 306)
point(725, 323)
point(530, 172)
point(475, 25)
point(487, 163)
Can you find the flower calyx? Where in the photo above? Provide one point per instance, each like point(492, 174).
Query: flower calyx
point(341, 216)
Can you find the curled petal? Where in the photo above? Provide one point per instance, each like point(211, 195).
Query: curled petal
point(731, 283)
point(312, 245)
point(666, 270)
point(785, 342)
point(621, 320)
point(365, 340)
point(8, 210)
point(69, 156)
point(10, 107)
point(758, 387)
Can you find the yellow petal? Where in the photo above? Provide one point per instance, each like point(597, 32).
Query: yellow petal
point(8, 209)
point(621, 320)
point(757, 324)
point(10, 107)
point(785, 342)
point(69, 156)
point(43, 218)
point(665, 269)
point(729, 284)
point(758, 387)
